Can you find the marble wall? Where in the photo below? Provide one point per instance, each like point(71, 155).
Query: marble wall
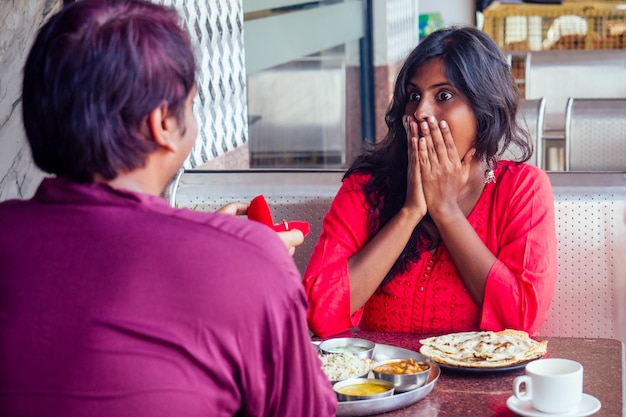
point(19, 22)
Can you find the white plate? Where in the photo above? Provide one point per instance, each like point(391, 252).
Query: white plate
point(588, 405)
point(486, 370)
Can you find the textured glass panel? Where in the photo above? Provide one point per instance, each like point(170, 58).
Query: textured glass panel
point(216, 28)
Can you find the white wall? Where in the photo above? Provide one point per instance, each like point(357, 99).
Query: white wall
point(395, 29)
point(453, 12)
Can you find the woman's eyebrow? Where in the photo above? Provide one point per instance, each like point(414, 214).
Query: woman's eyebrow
point(437, 85)
point(441, 84)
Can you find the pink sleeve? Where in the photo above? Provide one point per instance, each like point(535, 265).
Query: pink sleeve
point(296, 384)
point(326, 279)
point(521, 282)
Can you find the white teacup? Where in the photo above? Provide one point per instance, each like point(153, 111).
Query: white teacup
point(552, 385)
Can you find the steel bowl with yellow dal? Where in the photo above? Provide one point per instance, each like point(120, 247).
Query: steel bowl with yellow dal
point(355, 389)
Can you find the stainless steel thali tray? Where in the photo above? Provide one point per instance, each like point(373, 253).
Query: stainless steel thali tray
point(383, 405)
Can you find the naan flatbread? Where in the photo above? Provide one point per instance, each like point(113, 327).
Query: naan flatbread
point(483, 349)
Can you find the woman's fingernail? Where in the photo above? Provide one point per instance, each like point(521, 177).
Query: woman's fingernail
point(444, 124)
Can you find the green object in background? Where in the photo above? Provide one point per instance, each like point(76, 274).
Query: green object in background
point(429, 23)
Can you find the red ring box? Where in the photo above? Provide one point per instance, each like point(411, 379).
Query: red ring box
point(259, 211)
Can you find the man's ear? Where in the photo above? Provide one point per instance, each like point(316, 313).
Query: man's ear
point(163, 127)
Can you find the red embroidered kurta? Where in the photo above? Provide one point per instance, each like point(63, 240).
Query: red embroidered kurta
point(514, 218)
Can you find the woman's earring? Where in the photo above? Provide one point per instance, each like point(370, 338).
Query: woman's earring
point(490, 177)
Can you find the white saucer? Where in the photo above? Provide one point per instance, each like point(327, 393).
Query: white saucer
point(588, 405)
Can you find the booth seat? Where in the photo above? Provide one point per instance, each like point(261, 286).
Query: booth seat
point(590, 208)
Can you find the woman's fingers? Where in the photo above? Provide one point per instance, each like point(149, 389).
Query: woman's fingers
point(412, 135)
point(439, 145)
point(427, 134)
point(414, 192)
point(448, 147)
point(414, 163)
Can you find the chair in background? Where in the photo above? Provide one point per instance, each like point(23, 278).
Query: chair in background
point(557, 75)
point(530, 116)
point(595, 134)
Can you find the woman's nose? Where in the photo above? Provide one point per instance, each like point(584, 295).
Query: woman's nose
point(422, 110)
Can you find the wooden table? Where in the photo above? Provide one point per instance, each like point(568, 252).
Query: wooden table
point(483, 395)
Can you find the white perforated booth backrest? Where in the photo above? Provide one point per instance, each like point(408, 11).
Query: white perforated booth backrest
point(590, 298)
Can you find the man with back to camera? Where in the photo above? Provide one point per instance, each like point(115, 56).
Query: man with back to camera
point(113, 303)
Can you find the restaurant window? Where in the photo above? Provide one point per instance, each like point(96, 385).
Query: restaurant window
point(305, 64)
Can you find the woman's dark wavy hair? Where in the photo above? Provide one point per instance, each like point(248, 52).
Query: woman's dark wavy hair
point(95, 72)
point(474, 65)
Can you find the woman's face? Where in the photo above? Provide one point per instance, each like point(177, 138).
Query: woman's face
point(430, 93)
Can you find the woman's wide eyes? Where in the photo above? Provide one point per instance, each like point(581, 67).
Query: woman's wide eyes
point(441, 96)
point(444, 95)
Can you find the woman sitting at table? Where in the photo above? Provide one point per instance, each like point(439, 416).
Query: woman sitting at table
point(430, 232)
